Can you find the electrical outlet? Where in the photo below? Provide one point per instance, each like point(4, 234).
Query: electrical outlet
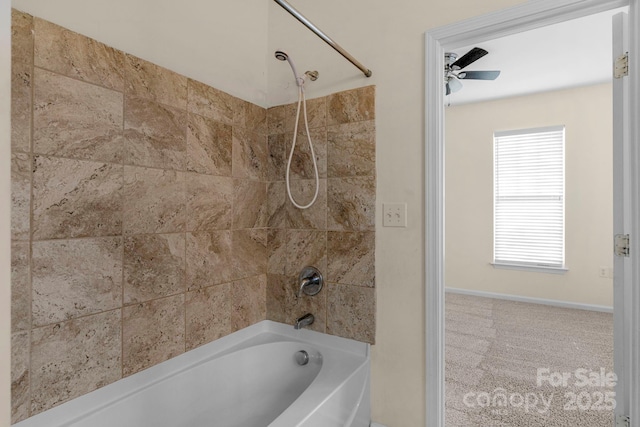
point(603, 272)
point(395, 214)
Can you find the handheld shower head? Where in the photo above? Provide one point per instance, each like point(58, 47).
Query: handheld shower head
point(283, 56)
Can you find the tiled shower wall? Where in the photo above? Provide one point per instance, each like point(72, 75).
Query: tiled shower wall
point(135, 228)
point(337, 234)
point(147, 212)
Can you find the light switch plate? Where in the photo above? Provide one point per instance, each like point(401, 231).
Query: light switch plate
point(394, 214)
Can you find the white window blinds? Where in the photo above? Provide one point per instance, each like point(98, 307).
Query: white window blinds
point(529, 197)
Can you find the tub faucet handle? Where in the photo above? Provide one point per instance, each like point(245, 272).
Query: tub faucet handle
point(310, 280)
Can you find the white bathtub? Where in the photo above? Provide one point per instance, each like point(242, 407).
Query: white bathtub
point(247, 379)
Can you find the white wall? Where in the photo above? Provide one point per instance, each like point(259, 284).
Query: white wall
point(587, 115)
point(387, 37)
point(5, 218)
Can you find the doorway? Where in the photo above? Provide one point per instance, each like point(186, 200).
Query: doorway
point(484, 28)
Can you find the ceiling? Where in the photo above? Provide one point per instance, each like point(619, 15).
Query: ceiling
point(569, 54)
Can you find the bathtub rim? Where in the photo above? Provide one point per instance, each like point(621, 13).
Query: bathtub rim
point(263, 332)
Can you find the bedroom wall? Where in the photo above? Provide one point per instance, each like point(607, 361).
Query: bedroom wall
point(587, 114)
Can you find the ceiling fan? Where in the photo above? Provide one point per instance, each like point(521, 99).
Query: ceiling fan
point(453, 67)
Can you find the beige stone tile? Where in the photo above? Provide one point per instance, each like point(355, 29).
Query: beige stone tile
point(209, 146)
point(154, 201)
point(351, 106)
point(351, 258)
point(210, 102)
point(209, 202)
point(277, 205)
point(250, 117)
point(208, 314)
point(74, 55)
point(284, 306)
point(209, 258)
point(152, 332)
point(256, 118)
point(282, 118)
point(277, 119)
point(146, 80)
point(314, 217)
point(351, 149)
point(154, 266)
point(249, 252)
point(76, 198)
point(316, 113)
point(290, 118)
point(280, 292)
point(306, 247)
point(20, 287)
point(249, 204)
point(73, 358)
point(21, 37)
point(20, 196)
point(353, 312)
point(20, 344)
point(277, 251)
point(250, 157)
point(155, 135)
point(302, 161)
point(277, 157)
point(21, 80)
point(351, 203)
point(73, 278)
point(249, 301)
point(76, 119)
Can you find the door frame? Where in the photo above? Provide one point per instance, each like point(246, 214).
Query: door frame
point(528, 16)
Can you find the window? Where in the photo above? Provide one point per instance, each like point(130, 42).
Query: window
point(529, 197)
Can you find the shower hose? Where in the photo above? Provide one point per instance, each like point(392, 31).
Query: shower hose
point(302, 102)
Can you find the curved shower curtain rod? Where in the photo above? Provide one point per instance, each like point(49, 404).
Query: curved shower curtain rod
point(286, 6)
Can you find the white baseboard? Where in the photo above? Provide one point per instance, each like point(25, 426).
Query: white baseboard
point(557, 303)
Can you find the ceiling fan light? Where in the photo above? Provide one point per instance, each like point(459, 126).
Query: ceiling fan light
point(454, 85)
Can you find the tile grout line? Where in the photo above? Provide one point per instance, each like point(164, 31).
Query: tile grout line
point(31, 222)
point(155, 299)
point(186, 229)
point(77, 79)
point(122, 213)
point(326, 216)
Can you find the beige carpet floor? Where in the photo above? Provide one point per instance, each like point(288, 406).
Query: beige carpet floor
point(495, 348)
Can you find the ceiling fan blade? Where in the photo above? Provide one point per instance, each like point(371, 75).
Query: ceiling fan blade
point(479, 75)
point(469, 58)
point(454, 85)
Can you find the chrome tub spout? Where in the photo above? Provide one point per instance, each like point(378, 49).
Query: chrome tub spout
point(303, 321)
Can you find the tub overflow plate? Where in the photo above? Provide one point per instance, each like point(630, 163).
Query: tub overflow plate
point(302, 357)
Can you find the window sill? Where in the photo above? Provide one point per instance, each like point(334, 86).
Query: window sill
point(532, 268)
